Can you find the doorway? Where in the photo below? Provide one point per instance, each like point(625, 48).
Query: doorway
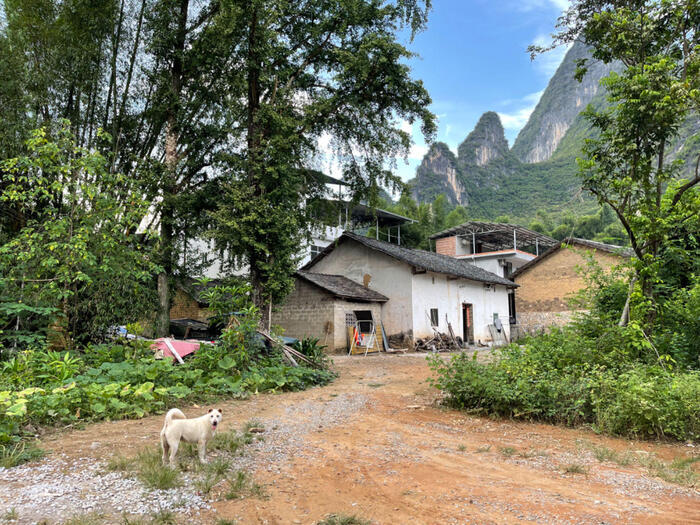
point(468, 323)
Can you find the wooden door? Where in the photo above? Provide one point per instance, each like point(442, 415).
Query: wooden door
point(468, 323)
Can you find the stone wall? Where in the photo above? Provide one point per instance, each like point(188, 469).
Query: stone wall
point(533, 323)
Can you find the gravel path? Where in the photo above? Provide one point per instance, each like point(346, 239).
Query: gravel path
point(71, 487)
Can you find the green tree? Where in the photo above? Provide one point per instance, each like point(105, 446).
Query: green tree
point(626, 166)
point(76, 260)
point(312, 68)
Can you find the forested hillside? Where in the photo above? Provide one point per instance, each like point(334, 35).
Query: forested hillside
point(539, 173)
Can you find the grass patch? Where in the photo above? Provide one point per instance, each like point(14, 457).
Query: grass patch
point(507, 451)
point(91, 518)
point(240, 485)
point(231, 441)
point(120, 463)
point(483, 449)
point(10, 515)
point(18, 453)
point(163, 517)
point(680, 471)
point(575, 468)
point(375, 385)
point(152, 473)
point(462, 448)
point(603, 453)
point(342, 519)
point(222, 521)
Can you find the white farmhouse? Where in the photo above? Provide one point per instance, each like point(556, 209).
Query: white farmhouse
point(424, 289)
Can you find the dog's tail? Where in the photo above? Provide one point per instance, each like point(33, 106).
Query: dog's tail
point(173, 413)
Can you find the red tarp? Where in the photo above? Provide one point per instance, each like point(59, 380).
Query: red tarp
point(183, 348)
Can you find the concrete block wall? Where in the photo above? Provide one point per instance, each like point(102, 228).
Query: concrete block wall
point(340, 339)
point(306, 312)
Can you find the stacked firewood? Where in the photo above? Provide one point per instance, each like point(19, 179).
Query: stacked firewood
point(437, 343)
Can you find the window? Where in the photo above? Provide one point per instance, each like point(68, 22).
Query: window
point(507, 269)
point(434, 320)
point(315, 250)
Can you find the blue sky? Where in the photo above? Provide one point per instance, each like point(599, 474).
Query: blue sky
point(473, 59)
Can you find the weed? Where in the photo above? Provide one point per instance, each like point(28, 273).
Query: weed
point(342, 519)
point(163, 517)
point(508, 451)
point(152, 473)
point(85, 519)
point(119, 463)
point(222, 521)
point(240, 485)
point(575, 468)
point(462, 448)
point(21, 452)
point(10, 515)
point(230, 441)
point(207, 482)
point(375, 385)
point(218, 466)
point(482, 449)
point(679, 471)
point(603, 453)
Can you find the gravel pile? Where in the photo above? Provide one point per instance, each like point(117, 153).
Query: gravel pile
point(283, 436)
point(56, 487)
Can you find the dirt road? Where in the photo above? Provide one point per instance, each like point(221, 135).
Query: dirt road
point(377, 444)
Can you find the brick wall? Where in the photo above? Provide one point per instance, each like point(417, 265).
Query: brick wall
point(542, 299)
point(446, 246)
point(185, 307)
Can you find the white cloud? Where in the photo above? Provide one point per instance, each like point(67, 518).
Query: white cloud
point(547, 63)
point(417, 151)
point(406, 126)
point(517, 118)
point(529, 5)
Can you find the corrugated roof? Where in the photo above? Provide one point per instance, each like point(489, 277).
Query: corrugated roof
point(420, 259)
point(342, 287)
point(595, 245)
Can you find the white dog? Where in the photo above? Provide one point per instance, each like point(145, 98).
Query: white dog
point(198, 430)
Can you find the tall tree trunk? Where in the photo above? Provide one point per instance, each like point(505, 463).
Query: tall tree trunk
point(172, 138)
point(260, 297)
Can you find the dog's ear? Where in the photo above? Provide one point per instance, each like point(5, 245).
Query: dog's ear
point(209, 410)
point(220, 411)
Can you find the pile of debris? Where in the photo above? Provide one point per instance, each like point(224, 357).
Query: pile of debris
point(438, 343)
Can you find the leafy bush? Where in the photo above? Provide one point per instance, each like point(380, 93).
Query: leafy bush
point(564, 378)
point(310, 348)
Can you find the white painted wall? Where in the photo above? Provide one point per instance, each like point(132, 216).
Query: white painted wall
point(386, 275)
point(431, 290)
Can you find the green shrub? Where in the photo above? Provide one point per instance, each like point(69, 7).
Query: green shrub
point(563, 378)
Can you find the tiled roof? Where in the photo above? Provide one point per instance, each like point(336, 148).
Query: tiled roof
point(342, 287)
point(420, 259)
